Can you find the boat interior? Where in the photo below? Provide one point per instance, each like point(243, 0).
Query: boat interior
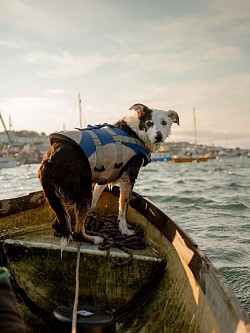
point(166, 287)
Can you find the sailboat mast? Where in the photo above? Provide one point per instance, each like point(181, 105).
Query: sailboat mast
point(10, 123)
point(195, 130)
point(5, 129)
point(80, 109)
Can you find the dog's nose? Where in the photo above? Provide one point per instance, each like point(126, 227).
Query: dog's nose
point(158, 136)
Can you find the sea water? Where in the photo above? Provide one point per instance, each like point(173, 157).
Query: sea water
point(210, 201)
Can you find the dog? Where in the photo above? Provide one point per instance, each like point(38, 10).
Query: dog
point(81, 163)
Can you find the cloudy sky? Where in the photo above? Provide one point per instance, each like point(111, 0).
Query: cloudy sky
point(166, 54)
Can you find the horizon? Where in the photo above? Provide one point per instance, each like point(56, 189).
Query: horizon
point(166, 142)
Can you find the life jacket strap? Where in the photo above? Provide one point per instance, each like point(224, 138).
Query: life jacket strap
point(99, 151)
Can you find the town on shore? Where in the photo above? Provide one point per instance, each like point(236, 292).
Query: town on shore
point(30, 146)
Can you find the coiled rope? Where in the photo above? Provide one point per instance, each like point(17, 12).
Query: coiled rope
point(107, 227)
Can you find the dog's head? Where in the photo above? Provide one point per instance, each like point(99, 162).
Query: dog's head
point(151, 125)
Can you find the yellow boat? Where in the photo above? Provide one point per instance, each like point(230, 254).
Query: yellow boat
point(190, 159)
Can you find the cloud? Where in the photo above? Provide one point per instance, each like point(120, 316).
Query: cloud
point(64, 63)
point(170, 56)
point(28, 19)
point(181, 45)
point(41, 113)
point(56, 91)
point(9, 44)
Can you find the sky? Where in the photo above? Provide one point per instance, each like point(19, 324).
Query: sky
point(166, 54)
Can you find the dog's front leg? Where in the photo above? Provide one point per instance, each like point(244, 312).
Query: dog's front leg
point(125, 190)
point(98, 189)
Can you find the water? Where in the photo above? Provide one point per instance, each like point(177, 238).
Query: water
point(210, 201)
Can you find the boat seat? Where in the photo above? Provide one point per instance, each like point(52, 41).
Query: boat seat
point(45, 239)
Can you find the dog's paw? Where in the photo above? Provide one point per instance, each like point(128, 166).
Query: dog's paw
point(123, 227)
point(126, 231)
point(98, 240)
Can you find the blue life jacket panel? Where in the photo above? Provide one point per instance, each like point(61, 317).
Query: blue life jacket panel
point(108, 149)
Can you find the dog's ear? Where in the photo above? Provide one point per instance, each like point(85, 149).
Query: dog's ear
point(139, 108)
point(174, 115)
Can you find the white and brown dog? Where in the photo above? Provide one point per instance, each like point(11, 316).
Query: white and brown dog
point(100, 155)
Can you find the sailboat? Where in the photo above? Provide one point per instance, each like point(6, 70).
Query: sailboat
point(190, 156)
point(7, 159)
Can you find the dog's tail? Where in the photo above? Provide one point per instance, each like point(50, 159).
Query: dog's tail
point(63, 218)
point(56, 202)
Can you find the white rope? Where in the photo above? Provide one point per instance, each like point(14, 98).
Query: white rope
point(74, 317)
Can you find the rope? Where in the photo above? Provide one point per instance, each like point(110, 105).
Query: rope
point(74, 317)
point(108, 228)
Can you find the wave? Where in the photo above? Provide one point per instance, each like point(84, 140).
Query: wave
point(198, 201)
point(181, 199)
point(230, 206)
point(233, 184)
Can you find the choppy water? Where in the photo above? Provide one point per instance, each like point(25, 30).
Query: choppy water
point(210, 201)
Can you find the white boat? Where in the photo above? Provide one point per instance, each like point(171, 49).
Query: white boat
point(7, 162)
point(7, 159)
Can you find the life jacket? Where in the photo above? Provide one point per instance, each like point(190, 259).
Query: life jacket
point(108, 149)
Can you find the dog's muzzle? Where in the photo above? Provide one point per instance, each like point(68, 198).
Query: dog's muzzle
point(158, 136)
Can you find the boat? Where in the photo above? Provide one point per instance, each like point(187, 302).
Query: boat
point(190, 156)
point(7, 162)
point(190, 159)
point(7, 156)
point(169, 286)
point(229, 153)
point(160, 157)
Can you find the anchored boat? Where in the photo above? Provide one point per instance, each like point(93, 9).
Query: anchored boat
point(190, 159)
point(170, 286)
point(7, 158)
point(7, 162)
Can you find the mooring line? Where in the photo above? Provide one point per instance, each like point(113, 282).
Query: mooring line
point(74, 316)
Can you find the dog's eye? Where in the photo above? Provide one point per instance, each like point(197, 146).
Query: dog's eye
point(149, 123)
point(164, 123)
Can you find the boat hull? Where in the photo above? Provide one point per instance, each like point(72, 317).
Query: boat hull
point(160, 158)
point(170, 287)
point(189, 159)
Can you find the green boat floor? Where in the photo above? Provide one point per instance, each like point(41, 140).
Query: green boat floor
point(35, 262)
